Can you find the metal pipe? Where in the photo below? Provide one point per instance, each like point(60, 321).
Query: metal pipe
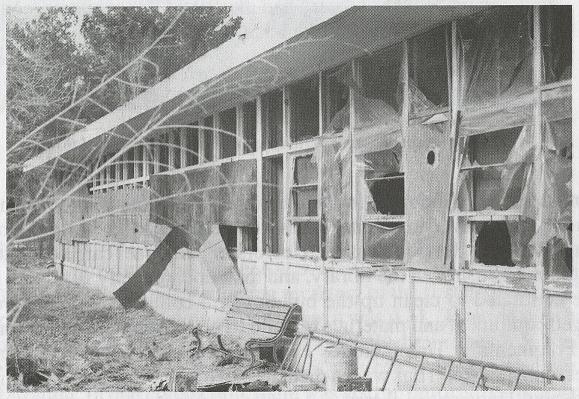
point(479, 363)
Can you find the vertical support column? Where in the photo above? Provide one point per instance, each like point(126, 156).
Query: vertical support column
point(201, 141)
point(539, 188)
point(458, 287)
point(286, 176)
point(125, 165)
point(118, 171)
point(156, 157)
point(355, 228)
point(216, 138)
point(170, 138)
point(183, 132)
point(259, 196)
point(239, 151)
point(409, 282)
point(136, 160)
point(146, 158)
point(318, 151)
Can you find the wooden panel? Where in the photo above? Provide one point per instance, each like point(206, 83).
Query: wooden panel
point(427, 188)
point(244, 303)
point(434, 317)
point(502, 326)
point(342, 310)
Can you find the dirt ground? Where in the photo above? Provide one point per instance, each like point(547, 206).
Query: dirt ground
point(83, 340)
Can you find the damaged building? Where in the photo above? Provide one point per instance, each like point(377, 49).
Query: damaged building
point(401, 173)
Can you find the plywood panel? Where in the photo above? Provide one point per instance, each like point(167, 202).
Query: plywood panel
point(385, 314)
point(503, 326)
point(434, 317)
point(427, 188)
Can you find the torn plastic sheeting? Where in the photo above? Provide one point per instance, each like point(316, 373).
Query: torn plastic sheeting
point(515, 182)
point(382, 243)
point(557, 200)
point(497, 49)
point(213, 256)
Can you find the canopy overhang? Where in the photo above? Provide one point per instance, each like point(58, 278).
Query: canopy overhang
point(247, 66)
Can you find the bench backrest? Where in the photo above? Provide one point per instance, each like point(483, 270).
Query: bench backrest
point(262, 319)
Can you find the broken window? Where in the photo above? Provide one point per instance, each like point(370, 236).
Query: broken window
point(385, 182)
point(272, 205)
point(228, 133)
point(304, 194)
point(130, 163)
point(249, 239)
point(335, 99)
point(176, 148)
point(208, 138)
point(272, 119)
point(494, 193)
point(378, 153)
point(192, 143)
point(556, 42)
point(303, 105)
point(428, 71)
point(497, 46)
point(229, 236)
point(163, 153)
point(249, 110)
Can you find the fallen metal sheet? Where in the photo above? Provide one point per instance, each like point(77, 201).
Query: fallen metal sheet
point(144, 278)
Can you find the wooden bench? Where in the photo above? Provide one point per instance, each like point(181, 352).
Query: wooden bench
point(260, 323)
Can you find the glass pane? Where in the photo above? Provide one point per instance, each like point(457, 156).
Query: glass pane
point(380, 77)
point(192, 146)
point(383, 182)
point(384, 242)
point(503, 243)
point(249, 126)
point(176, 148)
point(272, 205)
point(556, 42)
point(272, 119)
point(494, 147)
point(304, 111)
point(308, 236)
point(305, 201)
point(305, 170)
point(228, 127)
point(428, 73)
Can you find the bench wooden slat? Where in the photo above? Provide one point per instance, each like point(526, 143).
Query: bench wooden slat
point(245, 335)
point(259, 319)
point(261, 305)
point(259, 312)
point(253, 326)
